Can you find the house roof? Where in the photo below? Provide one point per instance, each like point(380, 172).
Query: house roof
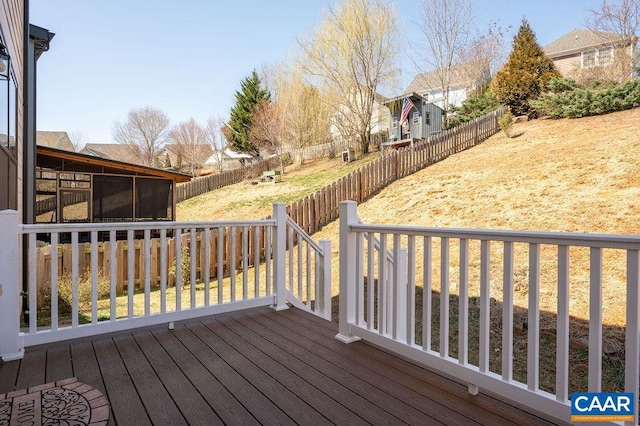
point(58, 140)
point(110, 151)
point(413, 97)
point(59, 159)
point(579, 40)
point(428, 81)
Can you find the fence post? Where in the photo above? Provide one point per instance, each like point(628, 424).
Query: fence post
point(10, 344)
point(347, 301)
point(280, 257)
point(324, 296)
point(632, 341)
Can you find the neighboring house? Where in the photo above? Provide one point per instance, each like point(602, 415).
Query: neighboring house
point(341, 123)
point(228, 159)
point(111, 151)
point(585, 54)
point(424, 120)
point(465, 79)
point(58, 140)
point(186, 157)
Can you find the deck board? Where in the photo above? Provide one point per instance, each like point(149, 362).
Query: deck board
point(120, 391)
point(253, 348)
point(157, 401)
point(401, 405)
point(257, 367)
point(217, 396)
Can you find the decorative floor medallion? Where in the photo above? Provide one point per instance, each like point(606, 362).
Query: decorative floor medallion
point(66, 402)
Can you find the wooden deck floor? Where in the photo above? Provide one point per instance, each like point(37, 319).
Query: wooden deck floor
point(256, 367)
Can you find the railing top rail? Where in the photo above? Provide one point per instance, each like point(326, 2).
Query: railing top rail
point(617, 241)
point(125, 226)
point(304, 235)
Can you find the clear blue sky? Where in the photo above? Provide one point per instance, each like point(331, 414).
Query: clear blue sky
point(188, 57)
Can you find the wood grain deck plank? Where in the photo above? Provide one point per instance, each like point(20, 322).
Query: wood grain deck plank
point(9, 375)
point(511, 412)
point(297, 409)
point(444, 393)
point(284, 372)
point(87, 370)
point(32, 369)
point(295, 345)
point(192, 405)
point(59, 365)
point(157, 401)
point(125, 402)
point(219, 398)
point(265, 411)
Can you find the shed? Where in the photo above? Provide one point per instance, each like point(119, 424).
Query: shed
point(73, 187)
point(424, 119)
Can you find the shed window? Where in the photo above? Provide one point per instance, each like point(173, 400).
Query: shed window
point(427, 118)
point(416, 117)
point(394, 123)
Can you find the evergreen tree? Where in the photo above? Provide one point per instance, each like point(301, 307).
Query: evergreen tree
point(524, 75)
point(247, 99)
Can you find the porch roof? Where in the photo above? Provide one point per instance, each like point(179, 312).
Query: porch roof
point(62, 160)
point(256, 367)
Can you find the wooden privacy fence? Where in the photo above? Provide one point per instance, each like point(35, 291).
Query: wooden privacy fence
point(198, 186)
point(310, 213)
point(320, 208)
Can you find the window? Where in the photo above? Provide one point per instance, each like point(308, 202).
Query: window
point(427, 118)
point(597, 57)
point(394, 123)
point(605, 56)
point(589, 59)
point(416, 117)
point(8, 126)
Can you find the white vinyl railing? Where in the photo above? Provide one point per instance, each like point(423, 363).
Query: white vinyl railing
point(87, 279)
point(379, 303)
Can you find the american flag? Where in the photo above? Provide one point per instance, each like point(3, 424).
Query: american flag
point(407, 106)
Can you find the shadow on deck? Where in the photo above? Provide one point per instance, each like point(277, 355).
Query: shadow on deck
point(256, 367)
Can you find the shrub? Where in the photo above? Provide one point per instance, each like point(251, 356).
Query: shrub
point(576, 101)
point(473, 107)
point(525, 74)
point(506, 123)
point(65, 293)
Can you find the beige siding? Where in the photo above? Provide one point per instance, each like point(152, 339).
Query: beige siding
point(567, 64)
point(12, 25)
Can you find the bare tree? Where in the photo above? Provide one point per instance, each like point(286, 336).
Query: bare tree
point(267, 130)
point(483, 55)
point(304, 111)
point(617, 23)
point(144, 132)
point(447, 29)
point(353, 55)
point(191, 144)
point(215, 137)
point(78, 140)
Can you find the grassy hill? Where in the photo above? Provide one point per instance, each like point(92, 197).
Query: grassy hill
point(580, 175)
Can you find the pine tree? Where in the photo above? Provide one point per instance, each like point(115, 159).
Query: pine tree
point(525, 73)
point(247, 98)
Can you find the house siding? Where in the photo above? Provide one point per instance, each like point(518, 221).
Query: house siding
point(12, 29)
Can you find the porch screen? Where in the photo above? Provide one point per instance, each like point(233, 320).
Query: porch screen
point(112, 198)
point(154, 199)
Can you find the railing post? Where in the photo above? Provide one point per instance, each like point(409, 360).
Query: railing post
point(347, 301)
point(324, 296)
point(10, 344)
point(280, 257)
point(632, 341)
